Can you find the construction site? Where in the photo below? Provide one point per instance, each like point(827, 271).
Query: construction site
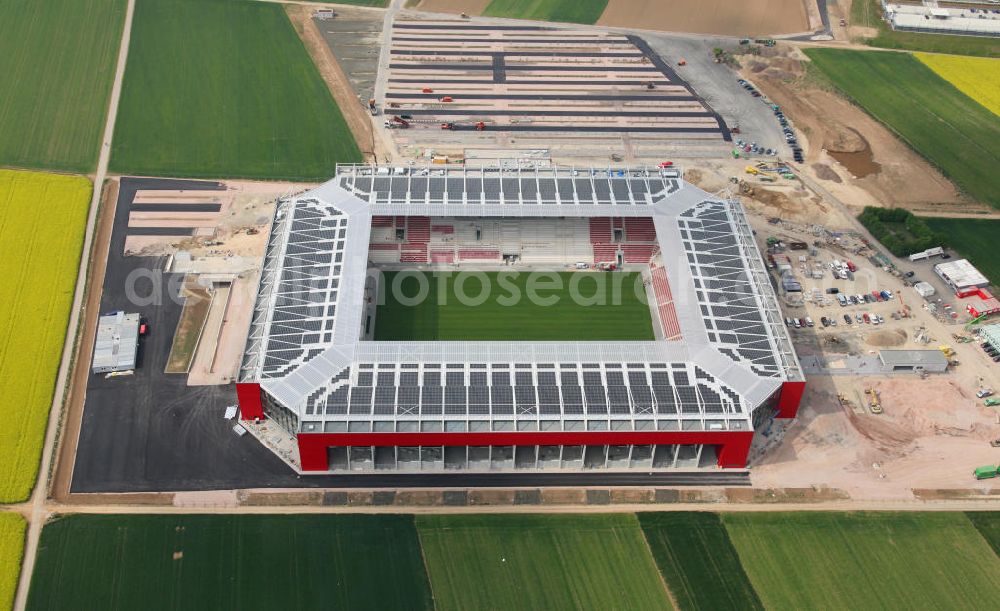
point(889, 394)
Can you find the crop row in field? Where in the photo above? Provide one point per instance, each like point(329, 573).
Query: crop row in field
point(958, 135)
point(42, 219)
point(230, 562)
point(57, 63)
point(799, 560)
point(976, 77)
point(539, 562)
point(11, 548)
point(225, 88)
point(868, 560)
point(566, 11)
point(697, 560)
point(868, 13)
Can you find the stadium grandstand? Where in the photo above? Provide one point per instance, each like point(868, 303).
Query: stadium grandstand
point(719, 365)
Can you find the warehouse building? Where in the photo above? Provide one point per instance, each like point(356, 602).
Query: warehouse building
point(962, 276)
point(722, 363)
point(913, 361)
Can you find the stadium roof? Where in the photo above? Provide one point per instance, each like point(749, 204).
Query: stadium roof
point(303, 346)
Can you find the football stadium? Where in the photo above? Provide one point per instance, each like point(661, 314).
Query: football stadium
point(514, 317)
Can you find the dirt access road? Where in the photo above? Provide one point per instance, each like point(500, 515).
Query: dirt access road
point(849, 153)
point(358, 119)
point(722, 17)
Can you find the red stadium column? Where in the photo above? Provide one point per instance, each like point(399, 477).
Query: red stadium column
point(733, 453)
point(789, 399)
point(312, 452)
point(248, 396)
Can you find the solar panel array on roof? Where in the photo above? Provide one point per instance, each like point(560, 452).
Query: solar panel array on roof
point(474, 392)
point(305, 293)
point(728, 296)
point(463, 186)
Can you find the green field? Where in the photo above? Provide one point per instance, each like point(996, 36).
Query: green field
point(42, 220)
point(868, 560)
point(12, 527)
point(57, 63)
point(956, 134)
point(988, 525)
point(568, 11)
point(230, 562)
point(225, 89)
point(975, 239)
point(867, 13)
point(518, 561)
point(502, 307)
point(698, 561)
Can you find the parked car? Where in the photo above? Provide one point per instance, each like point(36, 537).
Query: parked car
point(847, 318)
point(982, 393)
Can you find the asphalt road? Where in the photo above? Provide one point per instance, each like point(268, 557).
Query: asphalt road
point(717, 85)
point(151, 431)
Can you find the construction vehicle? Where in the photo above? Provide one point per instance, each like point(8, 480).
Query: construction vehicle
point(397, 123)
point(873, 401)
point(992, 402)
point(447, 125)
point(372, 108)
point(985, 472)
point(480, 126)
point(975, 320)
point(446, 99)
point(962, 339)
point(682, 62)
point(426, 90)
point(948, 351)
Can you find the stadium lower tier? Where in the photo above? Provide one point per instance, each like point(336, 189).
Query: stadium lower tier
point(523, 451)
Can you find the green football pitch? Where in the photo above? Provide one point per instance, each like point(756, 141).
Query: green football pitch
point(512, 306)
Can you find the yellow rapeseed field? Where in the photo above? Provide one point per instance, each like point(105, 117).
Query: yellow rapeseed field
point(42, 220)
point(11, 549)
point(976, 77)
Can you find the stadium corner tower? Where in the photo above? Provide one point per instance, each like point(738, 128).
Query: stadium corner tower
point(720, 365)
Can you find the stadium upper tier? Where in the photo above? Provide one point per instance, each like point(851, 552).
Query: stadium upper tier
point(731, 354)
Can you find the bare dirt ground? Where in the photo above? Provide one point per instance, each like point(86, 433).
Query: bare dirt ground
point(237, 230)
point(358, 120)
point(933, 431)
point(221, 346)
point(723, 17)
point(197, 303)
point(931, 435)
point(851, 154)
point(469, 7)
